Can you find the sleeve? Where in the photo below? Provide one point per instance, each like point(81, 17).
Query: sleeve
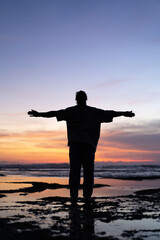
point(106, 116)
point(61, 115)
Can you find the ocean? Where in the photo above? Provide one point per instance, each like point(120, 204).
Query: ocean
point(137, 172)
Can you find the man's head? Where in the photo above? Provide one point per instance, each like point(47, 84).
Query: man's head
point(81, 98)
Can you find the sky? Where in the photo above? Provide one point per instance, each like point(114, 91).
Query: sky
point(51, 49)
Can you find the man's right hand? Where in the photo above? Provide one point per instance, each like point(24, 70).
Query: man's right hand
point(33, 113)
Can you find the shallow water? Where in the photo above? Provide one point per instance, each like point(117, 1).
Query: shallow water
point(137, 228)
point(116, 187)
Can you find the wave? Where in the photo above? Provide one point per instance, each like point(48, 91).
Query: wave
point(101, 171)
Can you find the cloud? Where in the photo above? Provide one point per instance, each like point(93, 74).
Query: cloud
point(37, 139)
point(53, 143)
point(125, 143)
point(3, 135)
point(35, 134)
point(109, 83)
point(135, 141)
point(140, 142)
point(142, 127)
point(34, 146)
point(128, 156)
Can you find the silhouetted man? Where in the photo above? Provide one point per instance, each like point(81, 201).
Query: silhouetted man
point(83, 130)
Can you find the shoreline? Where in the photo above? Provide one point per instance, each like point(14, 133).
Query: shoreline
point(134, 178)
point(42, 186)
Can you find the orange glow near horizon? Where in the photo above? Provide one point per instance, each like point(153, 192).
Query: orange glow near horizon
point(51, 147)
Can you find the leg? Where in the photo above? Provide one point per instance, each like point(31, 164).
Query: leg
point(75, 167)
point(88, 171)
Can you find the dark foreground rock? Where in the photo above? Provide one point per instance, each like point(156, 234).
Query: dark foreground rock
point(55, 218)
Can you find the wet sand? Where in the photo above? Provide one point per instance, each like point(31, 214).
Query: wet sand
point(23, 215)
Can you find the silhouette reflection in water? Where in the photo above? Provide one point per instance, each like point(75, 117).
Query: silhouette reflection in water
point(82, 223)
point(83, 131)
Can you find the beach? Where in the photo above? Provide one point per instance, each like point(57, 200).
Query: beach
point(38, 207)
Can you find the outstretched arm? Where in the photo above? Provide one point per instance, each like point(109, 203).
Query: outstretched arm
point(34, 113)
point(125, 114)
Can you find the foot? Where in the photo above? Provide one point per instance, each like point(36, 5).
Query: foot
point(89, 200)
point(73, 201)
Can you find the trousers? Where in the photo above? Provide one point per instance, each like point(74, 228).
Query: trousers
point(81, 155)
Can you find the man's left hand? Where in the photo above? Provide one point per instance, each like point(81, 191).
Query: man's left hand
point(129, 114)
